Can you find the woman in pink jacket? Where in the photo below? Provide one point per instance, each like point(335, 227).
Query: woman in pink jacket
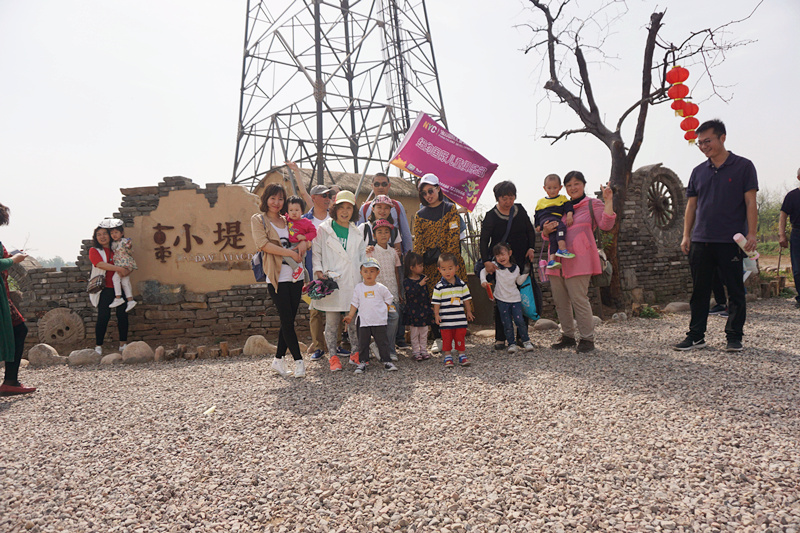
point(570, 285)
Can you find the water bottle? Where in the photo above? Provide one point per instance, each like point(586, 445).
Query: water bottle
point(741, 240)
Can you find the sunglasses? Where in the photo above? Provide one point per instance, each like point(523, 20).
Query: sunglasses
point(428, 192)
point(327, 195)
point(381, 184)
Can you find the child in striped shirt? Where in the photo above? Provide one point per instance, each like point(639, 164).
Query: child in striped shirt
point(452, 309)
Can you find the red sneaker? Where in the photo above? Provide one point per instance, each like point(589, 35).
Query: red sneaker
point(13, 390)
point(336, 365)
point(354, 358)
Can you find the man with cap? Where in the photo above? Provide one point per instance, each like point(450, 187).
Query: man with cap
point(320, 202)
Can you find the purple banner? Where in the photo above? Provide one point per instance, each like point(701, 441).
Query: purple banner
point(429, 148)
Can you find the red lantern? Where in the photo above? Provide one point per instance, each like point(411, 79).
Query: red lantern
point(678, 91)
point(690, 109)
point(689, 123)
point(677, 75)
point(690, 136)
point(677, 105)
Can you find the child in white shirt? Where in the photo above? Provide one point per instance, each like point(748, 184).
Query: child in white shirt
point(371, 300)
point(509, 302)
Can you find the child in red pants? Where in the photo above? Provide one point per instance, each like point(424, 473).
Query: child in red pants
point(452, 308)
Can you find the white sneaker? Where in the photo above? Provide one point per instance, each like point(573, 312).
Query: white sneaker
point(99, 350)
point(391, 367)
point(299, 369)
point(122, 347)
point(360, 369)
point(131, 305)
point(393, 356)
point(528, 346)
point(116, 303)
point(513, 348)
point(279, 366)
point(437, 346)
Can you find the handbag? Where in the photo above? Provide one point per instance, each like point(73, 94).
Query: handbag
point(603, 279)
point(528, 299)
point(479, 263)
point(96, 284)
point(256, 263)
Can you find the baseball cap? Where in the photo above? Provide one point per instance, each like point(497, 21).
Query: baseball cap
point(382, 223)
point(346, 196)
point(318, 189)
point(430, 179)
point(382, 199)
point(371, 263)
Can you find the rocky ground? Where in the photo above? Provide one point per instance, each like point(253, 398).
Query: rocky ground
point(632, 437)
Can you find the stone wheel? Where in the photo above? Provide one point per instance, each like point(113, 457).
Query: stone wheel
point(61, 326)
point(660, 204)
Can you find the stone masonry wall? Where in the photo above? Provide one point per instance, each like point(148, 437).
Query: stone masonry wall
point(164, 314)
point(653, 269)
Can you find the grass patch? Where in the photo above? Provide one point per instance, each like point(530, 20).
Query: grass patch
point(648, 312)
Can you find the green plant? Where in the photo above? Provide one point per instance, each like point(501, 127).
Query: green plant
point(649, 312)
point(12, 284)
point(786, 292)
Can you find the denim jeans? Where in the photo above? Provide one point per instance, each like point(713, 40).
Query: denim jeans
point(510, 314)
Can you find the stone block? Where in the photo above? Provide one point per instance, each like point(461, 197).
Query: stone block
point(45, 355)
point(138, 352)
point(155, 293)
point(84, 357)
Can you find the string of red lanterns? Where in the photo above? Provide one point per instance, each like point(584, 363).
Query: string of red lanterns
point(677, 92)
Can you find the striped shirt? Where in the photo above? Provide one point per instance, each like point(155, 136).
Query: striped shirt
point(451, 298)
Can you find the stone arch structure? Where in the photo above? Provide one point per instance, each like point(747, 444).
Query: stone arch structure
point(653, 269)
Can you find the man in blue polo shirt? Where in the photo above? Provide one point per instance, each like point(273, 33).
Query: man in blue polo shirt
point(791, 210)
point(721, 203)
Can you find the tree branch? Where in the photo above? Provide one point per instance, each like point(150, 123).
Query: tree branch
point(647, 80)
point(565, 134)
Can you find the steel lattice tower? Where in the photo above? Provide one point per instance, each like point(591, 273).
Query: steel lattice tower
point(334, 84)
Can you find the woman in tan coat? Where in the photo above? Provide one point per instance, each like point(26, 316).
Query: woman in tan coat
point(271, 236)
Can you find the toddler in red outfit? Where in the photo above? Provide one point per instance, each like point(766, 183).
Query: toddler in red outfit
point(301, 232)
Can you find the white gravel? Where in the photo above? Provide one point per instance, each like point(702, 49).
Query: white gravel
point(633, 437)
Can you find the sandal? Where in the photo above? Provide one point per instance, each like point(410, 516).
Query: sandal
point(418, 357)
point(499, 345)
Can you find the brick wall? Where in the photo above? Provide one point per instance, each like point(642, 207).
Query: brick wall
point(240, 310)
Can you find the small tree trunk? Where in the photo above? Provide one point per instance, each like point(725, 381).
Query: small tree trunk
point(619, 181)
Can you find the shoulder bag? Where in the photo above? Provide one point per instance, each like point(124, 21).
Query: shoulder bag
point(603, 279)
point(479, 263)
point(256, 263)
point(97, 282)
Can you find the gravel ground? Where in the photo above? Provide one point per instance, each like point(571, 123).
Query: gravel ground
point(633, 437)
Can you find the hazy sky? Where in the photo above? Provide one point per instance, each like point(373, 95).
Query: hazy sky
point(99, 95)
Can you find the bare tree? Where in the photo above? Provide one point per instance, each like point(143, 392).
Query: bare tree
point(560, 37)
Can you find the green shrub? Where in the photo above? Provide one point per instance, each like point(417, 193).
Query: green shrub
point(649, 312)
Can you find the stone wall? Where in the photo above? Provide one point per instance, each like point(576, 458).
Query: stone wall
point(653, 269)
point(164, 314)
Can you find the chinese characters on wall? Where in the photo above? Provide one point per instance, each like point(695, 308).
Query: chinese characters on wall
point(229, 236)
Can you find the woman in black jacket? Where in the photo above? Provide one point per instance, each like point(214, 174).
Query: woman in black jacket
point(521, 237)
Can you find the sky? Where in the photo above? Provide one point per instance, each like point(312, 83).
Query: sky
point(96, 96)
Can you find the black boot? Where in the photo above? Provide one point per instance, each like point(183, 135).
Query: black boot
point(564, 342)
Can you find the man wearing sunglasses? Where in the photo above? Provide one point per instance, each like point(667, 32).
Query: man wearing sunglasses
point(721, 202)
point(380, 186)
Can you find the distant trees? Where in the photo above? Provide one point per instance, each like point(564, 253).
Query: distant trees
point(54, 262)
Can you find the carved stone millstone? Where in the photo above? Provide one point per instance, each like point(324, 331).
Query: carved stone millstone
point(61, 326)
